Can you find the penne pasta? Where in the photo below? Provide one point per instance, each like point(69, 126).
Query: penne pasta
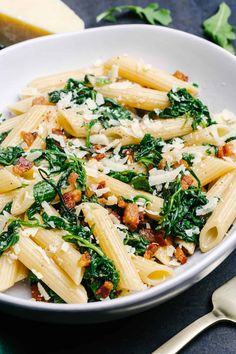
point(151, 272)
point(137, 97)
point(8, 181)
point(11, 271)
point(63, 253)
point(111, 244)
point(222, 217)
point(211, 168)
point(137, 71)
point(119, 188)
point(214, 134)
point(36, 259)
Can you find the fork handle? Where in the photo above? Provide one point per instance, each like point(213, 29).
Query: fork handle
point(177, 342)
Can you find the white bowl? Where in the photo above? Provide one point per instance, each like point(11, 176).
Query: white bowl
point(211, 67)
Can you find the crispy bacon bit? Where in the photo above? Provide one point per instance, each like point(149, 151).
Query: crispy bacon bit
point(101, 185)
point(22, 166)
point(179, 75)
point(57, 131)
point(28, 138)
point(186, 182)
point(121, 203)
point(131, 216)
point(161, 239)
point(85, 260)
point(225, 150)
point(180, 256)
point(102, 201)
point(105, 289)
point(151, 250)
point(162, 164)
point(220, 152)
point(89, 193)
point(41, 100)
point(71, 198)
point(35, 293)
point(72, 178)
point(179, 163)
point(99, 157)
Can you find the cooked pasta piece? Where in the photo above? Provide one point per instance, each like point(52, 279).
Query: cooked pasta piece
point(63, 253)
point(37, 260)
point(8, 181)
point(29, 123)
point(133, 96)
point(121, 189)
point(146, 75)
point(11, 271)
point(10, 123)
point(211, 168)
point(222, 217)
point(214, 134)
point(23, 200)
point(109, 240)
point(150, 271)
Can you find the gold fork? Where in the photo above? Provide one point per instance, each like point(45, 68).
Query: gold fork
point(224, 309)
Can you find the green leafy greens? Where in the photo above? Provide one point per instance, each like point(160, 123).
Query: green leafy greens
point(219, 30)
point(136, 180)
point(151, 13)
point(135, 240)
point(80, 91)
point(178, 213)
point(9, 237)
point(10, 154)
point(184, 104)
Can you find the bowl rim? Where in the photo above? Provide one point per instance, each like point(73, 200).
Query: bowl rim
point(187, 277)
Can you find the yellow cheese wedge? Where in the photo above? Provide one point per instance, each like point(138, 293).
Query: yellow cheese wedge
point(24, 19)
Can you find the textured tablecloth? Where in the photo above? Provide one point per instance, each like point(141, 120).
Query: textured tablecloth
point(142, 333)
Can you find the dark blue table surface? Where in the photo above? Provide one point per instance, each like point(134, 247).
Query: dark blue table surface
point(142, 333)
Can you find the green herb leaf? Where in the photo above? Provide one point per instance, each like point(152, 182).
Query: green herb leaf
point(184, 104)
point(10, 237)
point(178, 213)
point(136, 180)
point(151, 14)
point(135, 240)
point(9, 155)
point(188, 158)
point(43, 192)
point(3, 136)
point(219, 30)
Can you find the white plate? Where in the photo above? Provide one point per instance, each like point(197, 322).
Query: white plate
point(211, 67)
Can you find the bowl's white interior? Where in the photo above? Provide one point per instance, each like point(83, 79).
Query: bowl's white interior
point(206, 64)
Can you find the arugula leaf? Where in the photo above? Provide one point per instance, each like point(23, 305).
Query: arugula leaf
point(188, 158)
point(230, 139)
point(80, 91)
point(10, 154)
point(3, 136)
point(135, 240)
point(184, 104)
point(101, 269)
point(219, 30)
point(7, 208)
point(151, 13)
point(148, 152)
point(10, 237)
point(178, 213)
point(136, 180)
point(74, 165)
point(43, 192)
